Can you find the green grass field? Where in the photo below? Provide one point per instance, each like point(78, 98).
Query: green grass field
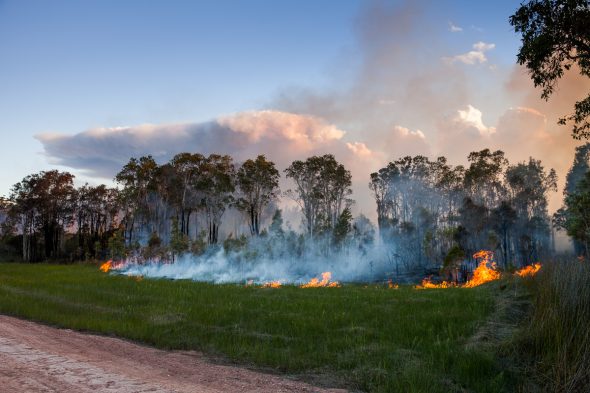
point(366, 338)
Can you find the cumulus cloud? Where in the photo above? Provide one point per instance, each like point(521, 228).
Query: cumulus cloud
point(471, 118)
point(359, 149)
point(454, 28)
point(102, 151)
point(475, 56)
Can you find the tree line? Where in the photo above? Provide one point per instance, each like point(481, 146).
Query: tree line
point(429, 212)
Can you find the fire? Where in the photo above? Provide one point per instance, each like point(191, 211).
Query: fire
point(110, 265)
point(325, 282)
point(483, 273)
point(105, 267)
point(428, 284)
point(529, 271)
point(272, 284)
point(391, 285)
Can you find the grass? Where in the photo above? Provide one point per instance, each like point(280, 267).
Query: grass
point(554, 343)
point(365, 338)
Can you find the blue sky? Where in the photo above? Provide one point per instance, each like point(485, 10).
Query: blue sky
point(71, 66)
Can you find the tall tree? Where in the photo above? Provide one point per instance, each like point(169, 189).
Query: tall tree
point(44, 203)
point(258, 183)
point(135, 177)
point(216, 185)
point(576, 215)
point(188, 167)
point(322, 191)
point(556, 36)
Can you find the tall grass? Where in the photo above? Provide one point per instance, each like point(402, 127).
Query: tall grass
point(555, 342)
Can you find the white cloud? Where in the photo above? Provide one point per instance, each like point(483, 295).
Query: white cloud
point(406, 132)
point(475, 56)
point(454, 28)
point(359, 149)
point(471, 117)
point(285, 136)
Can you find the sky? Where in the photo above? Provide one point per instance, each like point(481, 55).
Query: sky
point(86, 85)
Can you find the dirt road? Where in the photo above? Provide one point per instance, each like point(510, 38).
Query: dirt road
point(38, 358)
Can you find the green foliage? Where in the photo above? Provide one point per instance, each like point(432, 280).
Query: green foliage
point(116, 245)
point(364, 338)
point(576, 213)
point(555, 37)
point(342, 228)
point(178, 241)
point(199, 245)
point(276, 225)
point(232, 244)
point(454, 257)
point(258, 182)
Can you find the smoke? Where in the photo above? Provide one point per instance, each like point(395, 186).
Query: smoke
point(286, 260)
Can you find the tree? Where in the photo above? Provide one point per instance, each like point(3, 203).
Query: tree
point(43, 203)
point(258, 183)
point(577, 213)
point(178, 240)
point(342, 228)
point(184, 194)
point(216, 185)
point(556, 36)
point(322, 191)
point(136, 177)
point(483, 177)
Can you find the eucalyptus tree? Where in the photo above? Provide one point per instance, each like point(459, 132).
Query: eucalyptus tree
point(322, 190)
point(136, 178)
point(216, 185)
point(188, 167)
point(483, 178)
point(258, 184)
point(43, 203)
point(96, 214)
point(555, 37)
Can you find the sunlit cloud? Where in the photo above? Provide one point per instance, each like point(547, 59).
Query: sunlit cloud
point(475, 56)
point(471, 117)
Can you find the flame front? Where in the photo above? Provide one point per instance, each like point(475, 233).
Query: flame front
point(105, 267)
point(391, 285)
point(272, 284)
point(110, 265)
point(529, 271)
point(483, 273)
point(428, 284)
point(325, 282)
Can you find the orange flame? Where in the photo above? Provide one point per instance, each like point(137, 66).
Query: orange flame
point(325, 282)
point(391, 285)
point(428, 284)
point(529, 271)
point(105, 267)
point(110, 265)
point(483, 273)
point(272, 284)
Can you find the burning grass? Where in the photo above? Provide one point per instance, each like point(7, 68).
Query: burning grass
point(367, 338)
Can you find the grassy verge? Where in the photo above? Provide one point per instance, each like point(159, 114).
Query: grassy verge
point(365, 338)
point(554, 342)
